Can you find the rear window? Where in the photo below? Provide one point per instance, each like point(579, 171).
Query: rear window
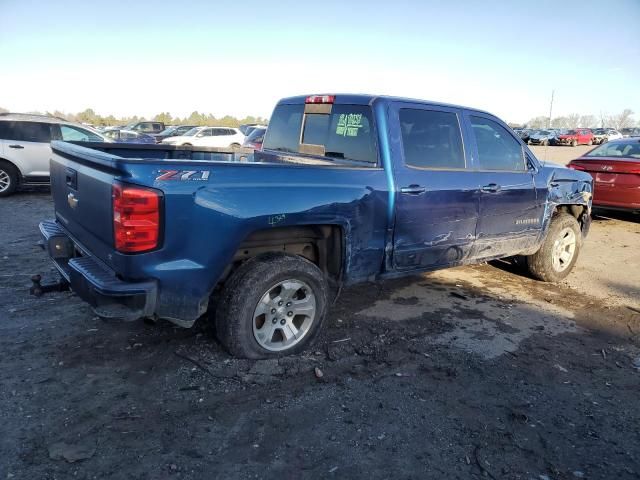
point(284, 129)
point(346, 133)
point(622, 149)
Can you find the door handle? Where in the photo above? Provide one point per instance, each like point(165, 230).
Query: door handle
point(491, 188)
point(413, 190)
point(16, 146)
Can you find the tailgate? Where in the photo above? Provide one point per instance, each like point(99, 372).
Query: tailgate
point(81, 183)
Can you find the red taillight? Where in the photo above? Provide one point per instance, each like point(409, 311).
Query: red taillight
point(320, 99)
point(577, 167)
point(136, 218)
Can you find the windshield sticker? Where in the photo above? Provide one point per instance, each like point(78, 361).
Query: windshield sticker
point(349, 124)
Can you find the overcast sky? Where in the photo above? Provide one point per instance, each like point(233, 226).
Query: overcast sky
point(240, 57)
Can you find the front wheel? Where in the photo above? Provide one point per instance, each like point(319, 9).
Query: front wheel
point(273, 305)
point(574, 143)
point(559, 252)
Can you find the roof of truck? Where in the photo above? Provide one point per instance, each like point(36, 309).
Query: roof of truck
point(368, 99)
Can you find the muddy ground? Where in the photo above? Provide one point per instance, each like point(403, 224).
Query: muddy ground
point(473, 372)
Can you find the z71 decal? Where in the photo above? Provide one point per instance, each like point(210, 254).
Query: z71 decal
point(183, 175)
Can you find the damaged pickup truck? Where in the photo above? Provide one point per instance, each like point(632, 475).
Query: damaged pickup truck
point(347, 189)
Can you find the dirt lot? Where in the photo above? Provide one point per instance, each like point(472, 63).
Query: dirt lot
point(561, 155)
point(474, 372)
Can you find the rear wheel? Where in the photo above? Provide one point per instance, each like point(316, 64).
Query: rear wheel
point(273, 305)
point(574, 143)
point(8, 179)
point(559, 251)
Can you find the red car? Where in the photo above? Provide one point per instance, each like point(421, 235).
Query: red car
point(615, 168)
point(578, 136)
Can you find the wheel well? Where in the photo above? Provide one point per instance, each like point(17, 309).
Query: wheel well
point(577, 211)
point(7, 162)
point(320, 244)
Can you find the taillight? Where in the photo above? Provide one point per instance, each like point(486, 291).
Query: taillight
point(320, 99)
point(136, 218)
point(577, 167)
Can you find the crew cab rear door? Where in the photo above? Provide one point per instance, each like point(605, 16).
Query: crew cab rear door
point(511, 213)
point(436, 192)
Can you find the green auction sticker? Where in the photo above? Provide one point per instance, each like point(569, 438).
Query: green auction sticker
point(349, 124)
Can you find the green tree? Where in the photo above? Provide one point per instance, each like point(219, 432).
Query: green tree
point(164, 117)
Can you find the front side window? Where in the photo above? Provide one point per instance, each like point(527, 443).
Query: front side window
point(431, 139)
point(497, 149)
point(74, 134)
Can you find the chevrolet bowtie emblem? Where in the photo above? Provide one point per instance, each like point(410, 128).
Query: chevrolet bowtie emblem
point(72, 200)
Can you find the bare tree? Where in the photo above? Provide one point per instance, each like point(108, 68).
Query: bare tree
point(623, 119)
point(588, 121)
point(560, 122)
point(538, 122)
point(573, 120)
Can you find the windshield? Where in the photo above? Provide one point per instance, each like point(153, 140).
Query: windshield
point(571, 132)
point(192, 132)
point(618, 149)
point(168, 131)
point(544, 132)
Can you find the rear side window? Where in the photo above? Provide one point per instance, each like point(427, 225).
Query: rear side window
point(431, 139)
point(497, 149)
point(26, 131)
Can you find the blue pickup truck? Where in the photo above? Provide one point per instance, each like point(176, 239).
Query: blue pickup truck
point(347, 189)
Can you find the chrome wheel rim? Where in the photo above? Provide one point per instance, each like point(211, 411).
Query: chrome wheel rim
point(284, 315)
point(564, 249)
point(5, 180)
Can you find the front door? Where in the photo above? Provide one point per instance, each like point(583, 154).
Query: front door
point(511, 214)
point(436, 198)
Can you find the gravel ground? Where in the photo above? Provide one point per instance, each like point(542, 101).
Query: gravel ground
point(472, 372)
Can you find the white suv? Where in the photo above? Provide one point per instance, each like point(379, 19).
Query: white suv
point(222, 137)
point(25, 149)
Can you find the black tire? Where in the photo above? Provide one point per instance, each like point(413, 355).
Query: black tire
point(234, 314)
point(540, 264)
point(8, 173)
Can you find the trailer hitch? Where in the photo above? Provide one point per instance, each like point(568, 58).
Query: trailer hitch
point(37, 289)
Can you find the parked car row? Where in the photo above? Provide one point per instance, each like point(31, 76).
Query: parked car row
point(25, 142)
point(573, 137)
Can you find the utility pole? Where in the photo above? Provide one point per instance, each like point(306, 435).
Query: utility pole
point(550, 108)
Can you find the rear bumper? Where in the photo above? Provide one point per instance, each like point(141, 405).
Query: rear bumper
point(110, 296)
